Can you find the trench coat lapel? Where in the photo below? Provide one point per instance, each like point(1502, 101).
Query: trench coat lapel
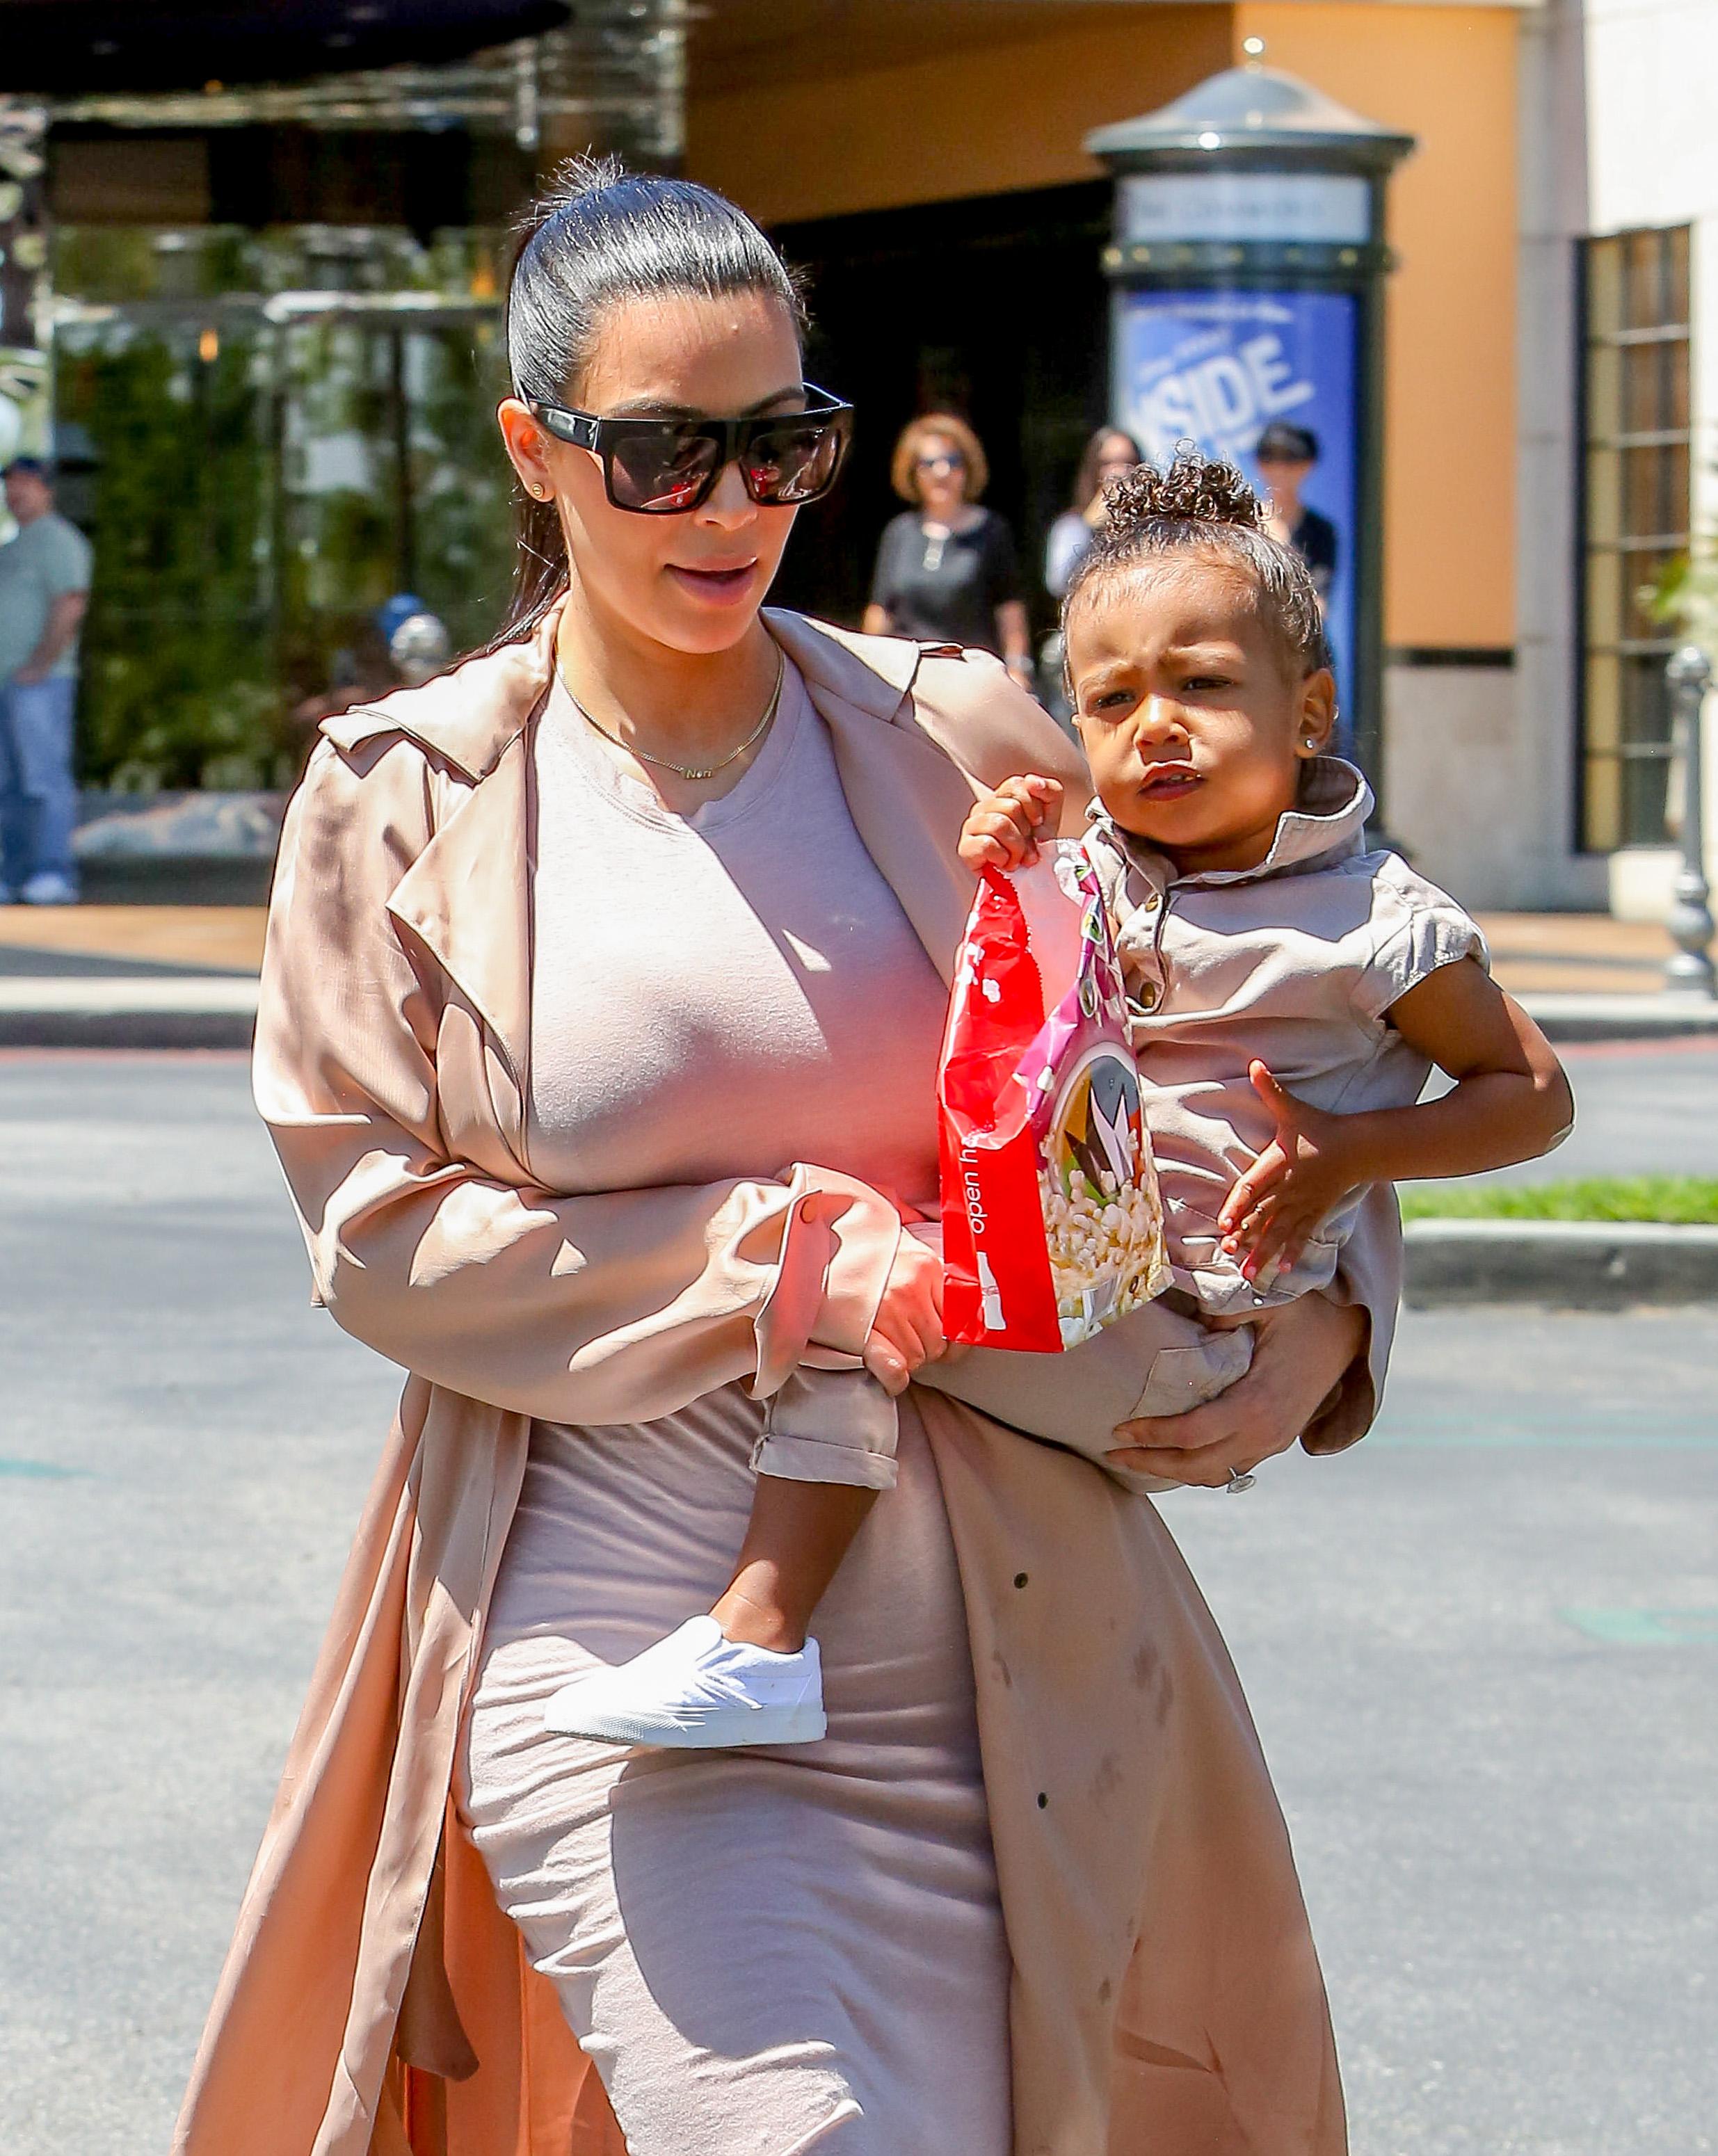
point(468, 897)
point(907, 798)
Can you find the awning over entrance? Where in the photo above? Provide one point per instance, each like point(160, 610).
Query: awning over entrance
point(250, 265)
point(613, 75)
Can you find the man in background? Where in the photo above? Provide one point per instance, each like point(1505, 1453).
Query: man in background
point(44, 589)
point(1285, 455)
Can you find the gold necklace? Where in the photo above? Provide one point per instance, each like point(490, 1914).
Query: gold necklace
point(667, 763)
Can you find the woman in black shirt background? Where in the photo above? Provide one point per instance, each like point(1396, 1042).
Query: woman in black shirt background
point(946, 570)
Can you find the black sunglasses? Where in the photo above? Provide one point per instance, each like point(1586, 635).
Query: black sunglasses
point(666, 467)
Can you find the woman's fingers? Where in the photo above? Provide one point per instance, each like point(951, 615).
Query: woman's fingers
point(1208, 1470)
point(1299, 1353)
point(1237, 1418)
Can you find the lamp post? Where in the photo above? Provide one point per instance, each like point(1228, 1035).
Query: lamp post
point(1690, 970)
point(1246, 273)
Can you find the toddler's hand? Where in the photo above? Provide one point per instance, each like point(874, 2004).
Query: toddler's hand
point(1004, 827)
point(907, 1330)
point(1297, 1182)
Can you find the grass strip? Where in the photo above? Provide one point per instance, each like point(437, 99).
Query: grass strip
point(1682, 1200)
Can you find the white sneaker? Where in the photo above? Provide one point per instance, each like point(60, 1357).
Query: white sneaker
point(697, 1689)
point(48, 887)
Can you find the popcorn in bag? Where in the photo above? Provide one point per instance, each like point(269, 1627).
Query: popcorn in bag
point(1052, 1225)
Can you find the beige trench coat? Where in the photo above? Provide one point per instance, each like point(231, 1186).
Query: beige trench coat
point(1166, 2000)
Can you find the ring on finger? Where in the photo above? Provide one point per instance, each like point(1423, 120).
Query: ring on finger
point(1240, 1478)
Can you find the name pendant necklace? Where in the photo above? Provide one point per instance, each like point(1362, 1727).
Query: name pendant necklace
point(667, 763)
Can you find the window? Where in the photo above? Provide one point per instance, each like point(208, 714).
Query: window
point(1636, 495)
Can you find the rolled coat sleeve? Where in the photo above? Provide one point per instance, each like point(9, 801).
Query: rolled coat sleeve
point(616, 1306)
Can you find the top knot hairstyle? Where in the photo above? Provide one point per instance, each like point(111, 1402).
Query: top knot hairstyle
point(598, 236)
point(1203, 506)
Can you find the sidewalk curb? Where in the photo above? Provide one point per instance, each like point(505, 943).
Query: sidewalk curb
point(217, 1011)
point(125, 1029)
point(1570, 1264)
point(128, 1011)
point(1564, 1264)
point(1575, 1018)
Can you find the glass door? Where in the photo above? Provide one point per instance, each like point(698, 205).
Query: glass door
point(261, 472)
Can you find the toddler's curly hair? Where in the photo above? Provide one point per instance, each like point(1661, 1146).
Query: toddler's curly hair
point(1203, 506)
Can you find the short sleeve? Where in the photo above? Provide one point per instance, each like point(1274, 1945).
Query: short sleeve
point(1001, 563)
point(883, 591)
point(1070, 535)
point(1421, 929)
point(68, 561)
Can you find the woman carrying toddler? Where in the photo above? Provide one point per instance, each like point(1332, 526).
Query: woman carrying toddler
point(1291, 992)
point(598, 1035)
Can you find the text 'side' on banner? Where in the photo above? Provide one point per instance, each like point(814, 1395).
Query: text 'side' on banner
point(1217, 367)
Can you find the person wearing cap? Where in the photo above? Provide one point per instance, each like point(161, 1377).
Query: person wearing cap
point(44, 589)
point(1285, 455)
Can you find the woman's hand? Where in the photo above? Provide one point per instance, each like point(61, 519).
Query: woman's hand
point(1004, 828)
point(1299, 1353)
point(907, 1331)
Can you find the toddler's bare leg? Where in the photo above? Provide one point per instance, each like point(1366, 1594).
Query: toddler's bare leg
point(798, 1534)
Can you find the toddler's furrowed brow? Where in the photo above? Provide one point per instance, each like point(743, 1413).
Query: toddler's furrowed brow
point(1195, 658)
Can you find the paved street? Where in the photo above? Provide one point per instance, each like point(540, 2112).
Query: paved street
point(1642, 1108)
point(1483, 1649)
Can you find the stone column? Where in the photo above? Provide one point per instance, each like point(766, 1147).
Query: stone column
point(26, 384)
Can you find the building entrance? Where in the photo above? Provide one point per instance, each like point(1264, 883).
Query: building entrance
point(994, 308)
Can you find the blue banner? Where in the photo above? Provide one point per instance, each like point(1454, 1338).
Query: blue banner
point(1217, 368)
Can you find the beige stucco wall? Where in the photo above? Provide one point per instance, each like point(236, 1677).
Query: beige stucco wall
point(1013, 116)
point(968, 123)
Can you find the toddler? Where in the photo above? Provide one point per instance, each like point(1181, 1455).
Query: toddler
point(1290, 992)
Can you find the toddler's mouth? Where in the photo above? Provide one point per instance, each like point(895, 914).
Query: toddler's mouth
point(1168, 782)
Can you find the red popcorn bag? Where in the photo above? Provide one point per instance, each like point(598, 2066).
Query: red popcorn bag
point(1052, 1225)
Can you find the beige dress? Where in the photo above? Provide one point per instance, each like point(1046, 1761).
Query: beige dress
point(764, 1952)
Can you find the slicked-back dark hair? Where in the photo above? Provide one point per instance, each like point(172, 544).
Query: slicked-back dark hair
point(1202, 505)
point(600, 234)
